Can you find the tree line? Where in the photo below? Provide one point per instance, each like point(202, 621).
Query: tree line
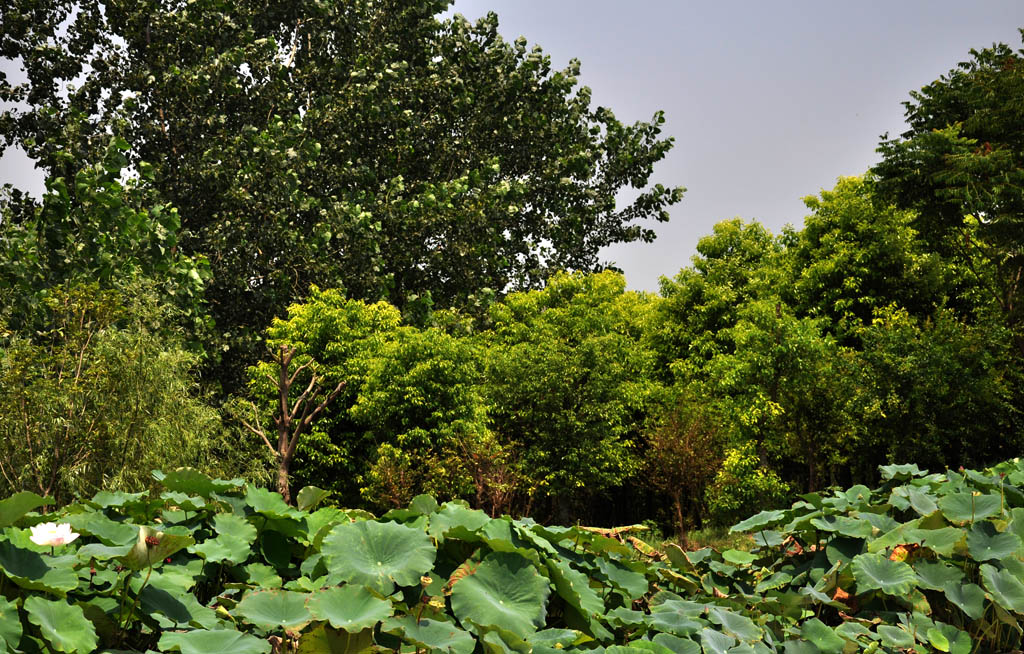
point(356, 247)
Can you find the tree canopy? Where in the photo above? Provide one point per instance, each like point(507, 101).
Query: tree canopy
point(368, 145)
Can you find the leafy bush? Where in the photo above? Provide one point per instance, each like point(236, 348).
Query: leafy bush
point(743, 486)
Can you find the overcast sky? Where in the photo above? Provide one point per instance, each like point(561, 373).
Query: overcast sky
point(768, 101)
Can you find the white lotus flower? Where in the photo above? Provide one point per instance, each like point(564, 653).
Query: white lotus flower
point(51, 534)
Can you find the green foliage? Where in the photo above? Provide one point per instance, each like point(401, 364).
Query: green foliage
point(371, 145)
point(569, 381)
point(102, 396)
point(845, 571)
point(743, 485)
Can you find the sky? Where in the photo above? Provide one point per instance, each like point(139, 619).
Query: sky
point(768, 102)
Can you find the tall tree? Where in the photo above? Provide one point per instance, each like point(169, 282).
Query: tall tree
point(367, 145)
point(961, 166)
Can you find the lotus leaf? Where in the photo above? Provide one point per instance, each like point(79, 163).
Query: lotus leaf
point(823, 636)
point(190, 480)
point(505, 591)
point(10, 624)
point(16, 506)
point(964, 507)
point(876, 572)
point(1005, 588)
point(31, 571)
point(207, 641)
point(738, 626)
point(986, 544)
point(677, 644)
point(325, 640)
point(935, 576)
point(715, 642)
point(275, 608)
point(969, 597)
point(310, 496)
point(895, 636)
point(64, 626)
point(379, 555)
point(350, 607)
point(153, 546)
point(760, 521)
point(432, 634)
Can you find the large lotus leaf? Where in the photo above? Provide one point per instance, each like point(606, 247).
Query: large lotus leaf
point(423, 504)
point(378, 554)
point(319, 523)
point(431, 634)
point(842, 550)
point(505, 591)
point(986, 544)
point(101, 552)
point(760, 521)
point(190, 480)
point(178, 608)
point(935, 576)
point(208, 641)
point(262, 575)
point(942, 541)
point(350, 607)
point(325, 640)
point(736, 625)
point(638, 647)
point(947, 638)
point(16, 506)
point(455, 514)
point(556, 638)
point(852, 631)
point(714, 642)
point(64, 626)
point(876, 572)
point(895, 637)
point(678, 617)
point(117, 499)
point(153, 546)
point(232, 524)
point(1005, 588)
point(269, 503)
point(633, 583)
point(963, 507)
point(574, 587)
point(310, 496)
point(10, 624)
point(109, 532)
point(677, 644)
point(32, 571)
point(823, 636)
point(183, 501)
point(223, 548)
point(969, 597)
point(776, 580)
point(274, 608)
point(901, 471)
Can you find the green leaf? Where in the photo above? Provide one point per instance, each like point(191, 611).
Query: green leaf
point(431, 634)
point(895, 637)
point(677, 644)
point(110, 532)
point(62, 625)
point(350, 607)
point(191, 481)
point(379, 555)
point(986, 544)
point(935, 576)
point(901, 471)
point(207, 641)
point(505, 591)
point(714, 642)
point(325, 640)
point(969, 597)
point(274, 608)
point(633, 583)
point(738, 557)
point(16, 506)
point(678, 617)
point(269, 503)
point(574, 588)
point(30, 570)
point(823, 637)
point(310, 496)
point(223, 548)
point(760, 521)
point(454, 514)
point(876, 572)
point(920, 501)
point(10, 624)
point(1006, 589)
point(423, 504)
point(961, 507)
point(736, 625)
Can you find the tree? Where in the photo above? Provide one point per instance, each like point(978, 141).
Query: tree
point(102, 396)
point(363, 145)
point(569, 383)
point(960, 165)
